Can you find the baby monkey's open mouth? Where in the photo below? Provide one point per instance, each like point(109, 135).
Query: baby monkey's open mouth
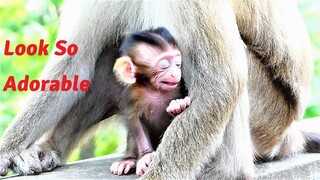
point(169, 83)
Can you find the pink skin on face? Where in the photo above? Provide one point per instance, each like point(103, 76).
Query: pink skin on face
point(171, 78)
point(170, 64)
point(167, 63)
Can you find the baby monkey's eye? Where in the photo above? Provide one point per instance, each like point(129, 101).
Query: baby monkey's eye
point(177, 61)
point(164, 64)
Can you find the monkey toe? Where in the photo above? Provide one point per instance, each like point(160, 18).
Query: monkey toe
point(48, 165)
point(26, 164)
point(144, 163)
point(4, 166)
point(49, 161)
point(123, 167)
point(3, 170)
point(141, 170)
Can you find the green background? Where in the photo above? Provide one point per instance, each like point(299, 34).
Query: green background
point(27, 21)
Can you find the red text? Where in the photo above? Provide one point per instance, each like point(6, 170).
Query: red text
point(72, 49)
point(31, 49)
point(43, 85)
point(40, 49)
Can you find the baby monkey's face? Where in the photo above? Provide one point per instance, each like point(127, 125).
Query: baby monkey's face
point(165, 66)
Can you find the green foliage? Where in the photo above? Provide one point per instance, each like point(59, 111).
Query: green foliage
point(106, 142)
point(26, 22)
point(310, 10)
point(23, 21)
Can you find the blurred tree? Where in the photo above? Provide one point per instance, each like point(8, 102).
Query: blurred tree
point(26, 22)
point(23, 21)
point(311, 13)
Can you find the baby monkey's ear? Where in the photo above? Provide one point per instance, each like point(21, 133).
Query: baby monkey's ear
point(125, 70)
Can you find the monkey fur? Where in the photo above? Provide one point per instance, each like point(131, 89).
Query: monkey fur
point(247, 67)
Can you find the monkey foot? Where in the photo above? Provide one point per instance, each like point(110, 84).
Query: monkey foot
point(123, 166)
point(4, 163)
point(33, 160)
point(144, 162)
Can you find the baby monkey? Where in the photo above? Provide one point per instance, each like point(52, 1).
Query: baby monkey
point(151, 65)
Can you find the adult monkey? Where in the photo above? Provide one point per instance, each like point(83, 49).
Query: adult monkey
point(221, 42)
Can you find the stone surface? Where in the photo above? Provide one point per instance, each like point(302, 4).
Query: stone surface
point(304, 166)
point(301, 167)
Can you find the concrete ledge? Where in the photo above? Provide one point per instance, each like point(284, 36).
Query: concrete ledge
point(304, 166)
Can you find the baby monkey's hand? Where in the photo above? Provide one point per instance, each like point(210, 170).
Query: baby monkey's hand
point(177, 106)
